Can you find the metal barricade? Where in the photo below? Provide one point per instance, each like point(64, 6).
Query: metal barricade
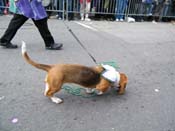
point(154, 8)
point(118, 9)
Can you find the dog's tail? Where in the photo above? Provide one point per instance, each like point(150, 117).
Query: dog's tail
point(35, 64)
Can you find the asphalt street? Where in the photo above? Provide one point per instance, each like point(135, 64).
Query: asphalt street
point(143, 50)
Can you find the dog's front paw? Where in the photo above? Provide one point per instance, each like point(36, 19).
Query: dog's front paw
point(98, 92)
point(56, 100)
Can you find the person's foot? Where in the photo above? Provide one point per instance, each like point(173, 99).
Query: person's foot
point(55, 46)
point(8, 45)
point(121, 20)
point(117, 20)
point(82, 18)
point(87, 19)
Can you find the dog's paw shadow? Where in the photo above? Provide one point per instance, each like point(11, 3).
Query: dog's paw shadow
point(111, 95)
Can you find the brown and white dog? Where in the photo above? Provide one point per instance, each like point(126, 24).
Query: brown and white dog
point(89, 77)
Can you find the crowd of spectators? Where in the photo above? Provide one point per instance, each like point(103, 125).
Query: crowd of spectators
point(118, 10)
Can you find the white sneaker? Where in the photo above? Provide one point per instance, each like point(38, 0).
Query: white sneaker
point(82, 18)
point(60, 18)
point(121, 20)
point(154, 22)
point(87, 19)
point(116, 19)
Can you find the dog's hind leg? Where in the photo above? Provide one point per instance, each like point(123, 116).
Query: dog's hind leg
point(56, 100)
point(51, 88)
point(50, 91)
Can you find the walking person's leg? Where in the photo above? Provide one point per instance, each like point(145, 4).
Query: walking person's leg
point(46, 35)
point(16, 22)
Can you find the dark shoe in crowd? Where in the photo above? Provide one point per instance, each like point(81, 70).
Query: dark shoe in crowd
point(55, 46)
point(8, 45)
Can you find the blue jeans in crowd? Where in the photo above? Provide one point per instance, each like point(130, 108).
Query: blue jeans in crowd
point(146, 8)
point(165, 10)
point(120, 8)
point(69, 5)
point(1, 6)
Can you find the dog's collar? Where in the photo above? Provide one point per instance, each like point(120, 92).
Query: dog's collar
point(110, 74)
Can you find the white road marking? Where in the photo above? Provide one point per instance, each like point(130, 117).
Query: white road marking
point(86, 26)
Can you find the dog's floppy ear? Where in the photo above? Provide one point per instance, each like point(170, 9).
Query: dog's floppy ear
point(122, 84)
point(124, 78)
